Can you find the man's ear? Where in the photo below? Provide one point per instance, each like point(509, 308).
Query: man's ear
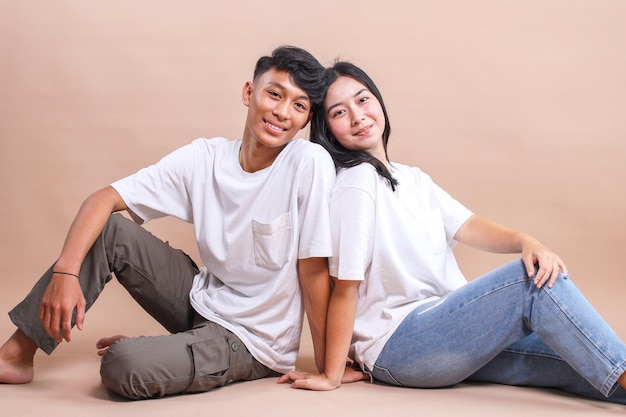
point(247, 93)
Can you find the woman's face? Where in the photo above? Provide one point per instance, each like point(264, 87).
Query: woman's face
point(355, 116)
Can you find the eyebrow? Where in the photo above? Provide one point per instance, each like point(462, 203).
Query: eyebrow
point(282, 87)
point(358, 93)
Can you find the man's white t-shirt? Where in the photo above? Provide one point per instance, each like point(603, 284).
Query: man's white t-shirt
point(251, 229)
point(398, 243)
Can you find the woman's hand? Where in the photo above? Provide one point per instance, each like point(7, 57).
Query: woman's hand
point(550, 264)
point(485, 235)
point(306, 380)
point(319, 382)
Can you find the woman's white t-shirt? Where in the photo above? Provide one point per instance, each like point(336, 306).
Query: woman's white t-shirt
point(398, 243)
point(251, 229)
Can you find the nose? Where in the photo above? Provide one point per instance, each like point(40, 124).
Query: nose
point(281, 110)
point(357, 119)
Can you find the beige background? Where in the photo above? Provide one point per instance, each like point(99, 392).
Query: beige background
point(517, 108)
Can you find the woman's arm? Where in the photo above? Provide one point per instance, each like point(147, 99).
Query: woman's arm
point(315, 283)
point(341, 316)
point(340, 324)
point(485, 235)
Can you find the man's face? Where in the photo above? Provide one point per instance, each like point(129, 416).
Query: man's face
point(277, 109)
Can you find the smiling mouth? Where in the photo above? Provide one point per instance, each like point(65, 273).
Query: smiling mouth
point(364, 131)
point(274, 127)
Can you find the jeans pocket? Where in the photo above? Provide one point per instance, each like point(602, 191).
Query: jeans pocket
point(272, 242)
point(211, 361)
point(383, 375)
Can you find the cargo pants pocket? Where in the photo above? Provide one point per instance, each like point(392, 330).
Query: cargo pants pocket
point(211, 361)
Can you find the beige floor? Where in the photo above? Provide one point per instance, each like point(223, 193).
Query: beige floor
point(79, 395)
point(67, 383)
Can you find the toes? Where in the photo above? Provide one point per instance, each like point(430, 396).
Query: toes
point(105, 342)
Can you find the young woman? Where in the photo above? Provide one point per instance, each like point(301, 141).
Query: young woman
point(400, 306)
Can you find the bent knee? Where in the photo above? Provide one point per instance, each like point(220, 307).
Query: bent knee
point(116, 225)
point(125, 370)
point(116, 370)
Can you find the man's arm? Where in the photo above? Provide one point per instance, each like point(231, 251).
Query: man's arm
point(315, 283)
point(64, 294)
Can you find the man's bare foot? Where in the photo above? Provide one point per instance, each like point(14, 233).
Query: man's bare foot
point(103, 344)
point(16, 359)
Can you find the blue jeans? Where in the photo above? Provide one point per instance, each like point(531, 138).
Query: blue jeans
point(500, 328)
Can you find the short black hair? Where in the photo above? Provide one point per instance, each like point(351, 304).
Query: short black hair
point(303, 68)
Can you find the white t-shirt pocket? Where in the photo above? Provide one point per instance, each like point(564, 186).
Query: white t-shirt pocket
point(272, 242)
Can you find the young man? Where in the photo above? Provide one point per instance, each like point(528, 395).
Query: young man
point(259, 206)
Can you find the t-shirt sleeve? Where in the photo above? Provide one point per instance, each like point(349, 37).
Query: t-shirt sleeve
point(318, 179)
point(352, 231)
point(453, 213)
point(160, 189)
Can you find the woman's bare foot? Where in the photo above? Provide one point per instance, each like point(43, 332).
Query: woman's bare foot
point(103, 344)
point(16, 359)
point(622, 380)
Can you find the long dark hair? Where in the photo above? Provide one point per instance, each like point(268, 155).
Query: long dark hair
point(320, 131)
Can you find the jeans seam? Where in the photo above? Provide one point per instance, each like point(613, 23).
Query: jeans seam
point(611, 379)
point(387, 373)
point(581, 331)
point(532, 353)
point(610, 383)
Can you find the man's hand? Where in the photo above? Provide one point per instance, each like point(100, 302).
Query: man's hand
point(62, 297)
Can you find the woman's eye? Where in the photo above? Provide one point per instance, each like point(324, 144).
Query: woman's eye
point(363, 99)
